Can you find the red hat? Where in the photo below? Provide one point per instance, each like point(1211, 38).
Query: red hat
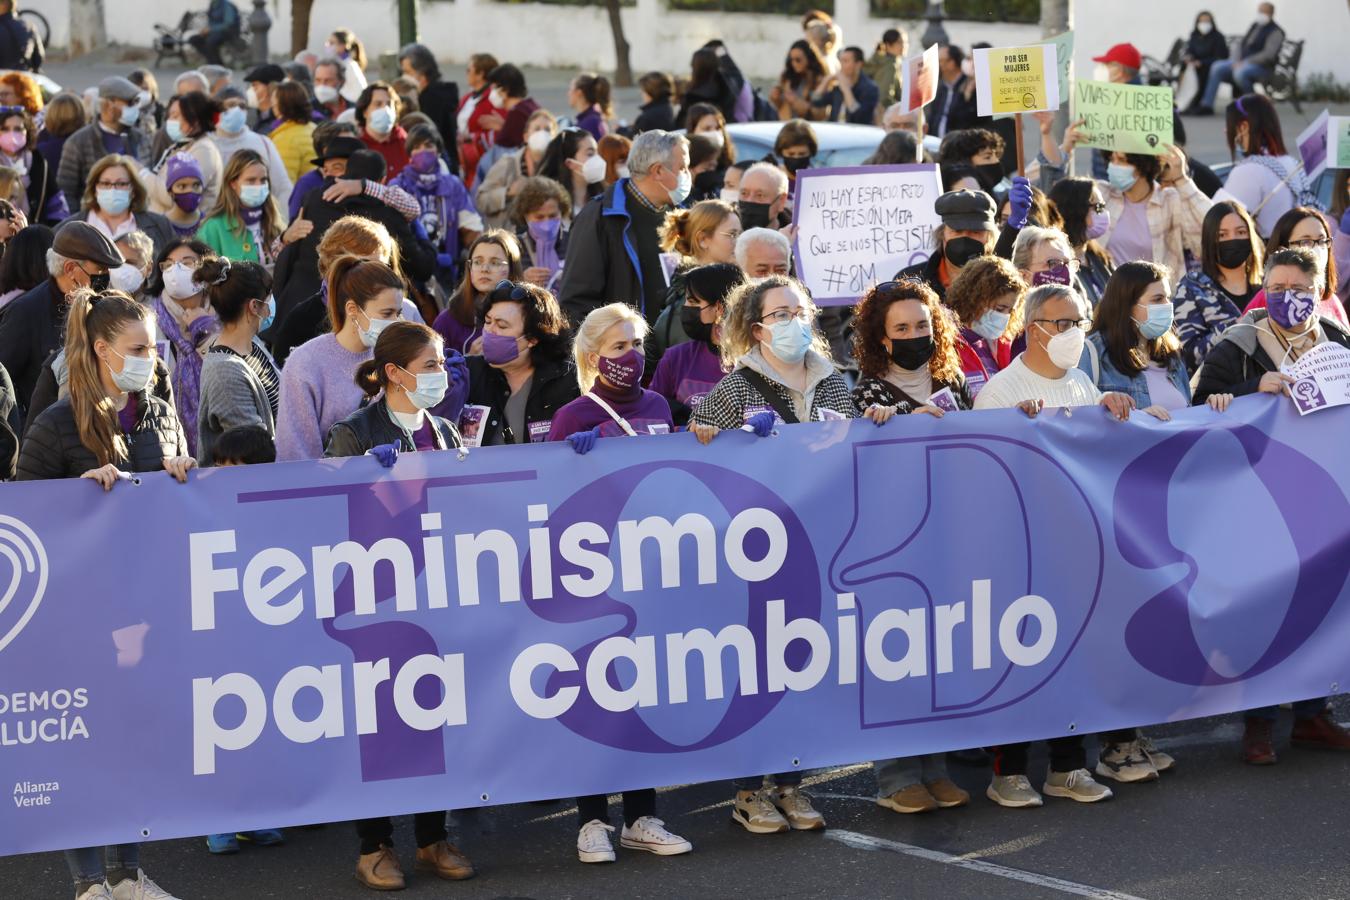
point(1125, 54)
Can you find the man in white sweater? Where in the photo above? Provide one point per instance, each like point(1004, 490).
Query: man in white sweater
point(1047, 374)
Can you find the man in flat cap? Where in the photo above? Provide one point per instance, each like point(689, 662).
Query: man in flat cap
point(33, 324)
point(968, 230)
point(261, 81)
point(112, 132)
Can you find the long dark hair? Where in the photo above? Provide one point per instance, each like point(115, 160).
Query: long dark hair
point(1072, 196)
point(1259, 113)
point(1114, 319)
point(231, 286)
point(1284, 230)
point(562, 148)
point(24, 264)
point(1209, 240)
point(815, 67)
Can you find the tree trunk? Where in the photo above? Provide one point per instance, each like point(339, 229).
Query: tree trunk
point(623, 69)
point(300, 10)
point(88, 30)
point(407, 22)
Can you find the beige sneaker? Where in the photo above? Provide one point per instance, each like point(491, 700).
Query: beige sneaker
point(947, 794)
point(1162, 762)
point(756, 813)
point(1076, 785)
point(913, 799)
point(445, 860)
point(380, 871)
point(797, 809)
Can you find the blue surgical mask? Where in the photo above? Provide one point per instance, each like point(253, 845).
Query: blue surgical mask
point(790, 340)
point(232, 120)
point(1121, 177)
point(266, 322)
point(254, 195)
point(371, 334)
point(1159, 321)
point(431, 388)
point(683, 186)
point(131, 114)
point(174, 129)
point(113, 200)
point(381, 121)
point(991, 325)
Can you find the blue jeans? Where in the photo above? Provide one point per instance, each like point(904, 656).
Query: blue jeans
point(1244, 79)
point(89, 865)
point(782, 779)
point(1303, 709)
point(899, 773)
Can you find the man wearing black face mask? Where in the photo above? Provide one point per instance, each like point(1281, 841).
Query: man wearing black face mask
point(764, 195)
point(33, 325)
point(968, 231)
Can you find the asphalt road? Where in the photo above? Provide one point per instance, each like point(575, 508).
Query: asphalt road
point(1214, 829)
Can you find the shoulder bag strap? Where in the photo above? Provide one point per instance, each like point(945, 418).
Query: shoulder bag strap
point(775, 399)
point(623, 423)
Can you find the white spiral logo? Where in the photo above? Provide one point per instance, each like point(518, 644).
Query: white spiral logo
point(27, 560)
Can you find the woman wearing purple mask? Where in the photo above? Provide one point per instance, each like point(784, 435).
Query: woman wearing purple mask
point(1086, 221)
point(183, 175)
point(447, 212)
point(1043, 256)
point(541, 213)
point(524, 375)
point(1247, 359)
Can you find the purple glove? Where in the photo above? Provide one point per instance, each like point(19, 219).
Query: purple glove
point(761, 423)
point(386, 454)
point(1019, 202)
point(583, 442)
point(445, 260)
point(1345, 222)
point(456, 368)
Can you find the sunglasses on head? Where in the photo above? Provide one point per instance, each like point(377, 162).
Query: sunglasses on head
point(509, 290)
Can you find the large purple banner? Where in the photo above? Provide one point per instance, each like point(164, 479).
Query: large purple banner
point(323, 641)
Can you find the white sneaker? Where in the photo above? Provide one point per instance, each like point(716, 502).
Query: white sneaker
point(1125, 763)
point(142, 888)
point(1076, 785)
point(95, 892)
point(593, 844)
point(649, 833)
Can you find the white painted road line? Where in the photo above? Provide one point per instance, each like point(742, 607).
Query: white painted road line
point(867, 842)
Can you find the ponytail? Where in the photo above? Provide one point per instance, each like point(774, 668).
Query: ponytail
point(356, 279)
point(94, 317)
point(231, 285)
point(597, 91)
point(399, 344)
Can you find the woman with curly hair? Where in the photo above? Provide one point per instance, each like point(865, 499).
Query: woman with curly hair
point(987, 300)
point(906, 350)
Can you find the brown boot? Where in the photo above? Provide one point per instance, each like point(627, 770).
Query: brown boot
point(445, 860)
point(1321, 732)
point(1257, 749)
point(380, 870)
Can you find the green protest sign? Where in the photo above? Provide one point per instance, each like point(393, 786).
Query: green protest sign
point(1124, 117)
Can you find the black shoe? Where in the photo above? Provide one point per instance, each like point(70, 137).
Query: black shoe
point(973, 757)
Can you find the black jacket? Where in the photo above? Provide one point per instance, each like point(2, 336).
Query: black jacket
point(296, 275)
point(1236, 363)
point(554, 386)
point(52, 447)
point(659, 115)
point(31, 327)
point(1207, 48)
point(20, 46)
point(440, 101)
point(927, 272)
point(963, 112)
point(602, 264)
point(371, 426)
point(49, 385)
point(9, 444)
point(42, 188)
point(722, 92)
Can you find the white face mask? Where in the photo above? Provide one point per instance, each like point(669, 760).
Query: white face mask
point(715, 137)
point(251, 97)
point(538, 141)
point(371, 333)
point(136, 373)
point(381, 121)
point(1205, 27)
point(178, 282)
point(431, 388)
point(325, 93)
point(1065, 349)
point(497, 98)
point(127, 278)
point(593, 169)
point(1262, 19)
point(622, 170)
point(730, 195)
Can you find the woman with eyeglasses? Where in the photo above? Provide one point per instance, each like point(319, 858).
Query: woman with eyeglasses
point(186, 320)
point(1082, 206)
point(1214, 296)
point(1307, 229)
point(114, 202)
point(689, 371)
point(493, 257)
point(780, 373)
point(317, 391)
point(524, 375)
point(702, 235)
point(108, 424)
point(987, 301)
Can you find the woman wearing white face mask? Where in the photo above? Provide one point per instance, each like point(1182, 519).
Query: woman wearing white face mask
point(240, 384)
point(344, 46)
point(114, 201)
point(232, 134)
point(186, 323)
point(506, 177)
point(512, 106)
point(364, 297)
point(191, 119)
point(573, 162)
point(704, 118)
point(377, 114)
point(130, 277)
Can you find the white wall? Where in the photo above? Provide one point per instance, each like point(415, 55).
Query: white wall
point(548, 35)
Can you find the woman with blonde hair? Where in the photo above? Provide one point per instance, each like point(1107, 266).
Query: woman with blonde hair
point(246, 224)
point(347, 49)
point(114, 202)
point(63, 116)
point(703, 235)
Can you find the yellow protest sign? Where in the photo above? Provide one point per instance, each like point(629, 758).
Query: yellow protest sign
point(1016, 79)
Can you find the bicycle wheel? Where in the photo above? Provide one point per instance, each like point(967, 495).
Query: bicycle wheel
point(38, 22)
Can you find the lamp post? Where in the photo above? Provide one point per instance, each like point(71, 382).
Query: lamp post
point(259, 23)
point(934, 33)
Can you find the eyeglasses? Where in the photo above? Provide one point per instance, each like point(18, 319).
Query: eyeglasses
point(1070, 264)
point(488, 265)
point(779, 316)
point(1063, 325)
point(114, 185)
point(190, 262)
point(508, 290)
point(1310, 244)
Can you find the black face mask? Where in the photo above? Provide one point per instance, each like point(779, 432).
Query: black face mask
point(100, 282)
point(753, 215)
point(795, 164)
point(962, 250)
point(691, 320)
point(1235, 253)
point(990, 174)
point(912, 354)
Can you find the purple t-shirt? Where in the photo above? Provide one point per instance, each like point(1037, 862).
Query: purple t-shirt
point(423, 438)
point(113, 143)
point(126, 416)
point(687, 373)
point(646, 411)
